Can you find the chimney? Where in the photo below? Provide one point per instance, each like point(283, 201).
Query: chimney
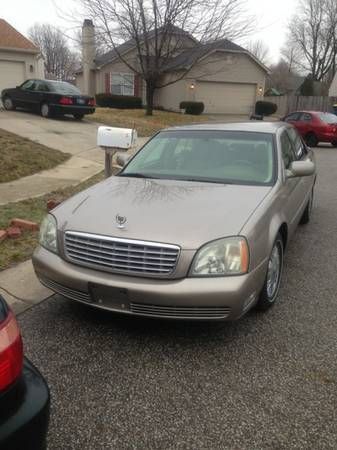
point(88, 56)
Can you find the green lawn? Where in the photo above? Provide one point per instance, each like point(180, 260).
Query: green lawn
point(20, 157)
point(145, 125)
point(13, 251)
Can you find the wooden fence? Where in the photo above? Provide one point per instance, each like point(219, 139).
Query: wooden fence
point(288, 103)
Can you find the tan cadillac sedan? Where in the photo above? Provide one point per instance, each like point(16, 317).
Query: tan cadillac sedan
point(193, 227)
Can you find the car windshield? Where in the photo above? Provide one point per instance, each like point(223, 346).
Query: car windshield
point(61, 87)
point(328, 118)
point(233, 157)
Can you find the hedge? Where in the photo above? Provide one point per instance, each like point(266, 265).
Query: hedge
point(265, 108)
point(194, 108)
point(118, 101)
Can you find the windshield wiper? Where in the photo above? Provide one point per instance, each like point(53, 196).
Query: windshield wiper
point(137, 175)
point(201, 180)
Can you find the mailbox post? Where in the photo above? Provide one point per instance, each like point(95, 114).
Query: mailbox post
point(112, 140)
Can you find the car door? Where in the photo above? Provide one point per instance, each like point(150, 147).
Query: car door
point(41, 91)
point(293, 192)
point(24, 94)
point(304, 124)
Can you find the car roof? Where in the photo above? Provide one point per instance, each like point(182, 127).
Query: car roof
point(306, 111)
point(253, 126)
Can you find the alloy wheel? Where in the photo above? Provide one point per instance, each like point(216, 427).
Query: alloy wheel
point(8, 103)
point(274, 271)
point(45, 110)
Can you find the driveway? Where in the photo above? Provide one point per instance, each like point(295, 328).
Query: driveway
point(66, 134)
point(266, 382)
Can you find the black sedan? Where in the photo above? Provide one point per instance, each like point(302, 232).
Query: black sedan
point(24, 394)
point(49, 98)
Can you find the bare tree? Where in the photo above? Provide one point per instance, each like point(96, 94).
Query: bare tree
point(313, 36)
point(291, 56)
point(59, 61)
point(160, 29)
point(283, 77)
point(260, 50)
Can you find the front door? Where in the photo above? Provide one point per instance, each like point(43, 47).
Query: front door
point(24, 94)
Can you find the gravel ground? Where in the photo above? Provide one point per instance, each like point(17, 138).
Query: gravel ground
point(266, 382)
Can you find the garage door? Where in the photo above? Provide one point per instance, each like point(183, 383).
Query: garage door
point(226, 98)
point(11, 74)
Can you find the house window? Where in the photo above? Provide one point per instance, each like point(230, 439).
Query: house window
point(123, 83)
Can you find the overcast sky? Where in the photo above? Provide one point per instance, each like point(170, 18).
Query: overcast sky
point(273, 16)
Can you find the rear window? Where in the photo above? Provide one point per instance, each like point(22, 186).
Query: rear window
point(328, 118)
point(210, 156)
point(61, 87)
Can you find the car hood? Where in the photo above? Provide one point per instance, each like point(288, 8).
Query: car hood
point(168, 211)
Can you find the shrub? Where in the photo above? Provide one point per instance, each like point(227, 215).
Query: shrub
point(118, 101)
point(194, 108)
point(265, 108)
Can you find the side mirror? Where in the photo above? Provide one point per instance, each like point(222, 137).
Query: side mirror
point(300, 169)
point(122, 159)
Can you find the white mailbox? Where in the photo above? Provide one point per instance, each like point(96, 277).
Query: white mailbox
point(117, 138)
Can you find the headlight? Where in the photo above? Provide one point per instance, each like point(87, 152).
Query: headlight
point(228, 256)
point(48, 233)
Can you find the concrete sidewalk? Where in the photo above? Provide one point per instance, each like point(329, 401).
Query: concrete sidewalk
point(67, 135)
point(22, 282)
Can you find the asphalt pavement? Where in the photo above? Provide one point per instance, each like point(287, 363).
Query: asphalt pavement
point(268, 381)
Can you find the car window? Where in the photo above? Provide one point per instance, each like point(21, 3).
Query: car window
point(297, 143)
point(28, 85)
point(292, 117)
point(306, 117)
point(328, 118)
point(61, 87)
point(207, 155)
point(288, 155)
point(41, 86)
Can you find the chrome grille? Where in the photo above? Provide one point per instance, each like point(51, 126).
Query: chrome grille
point(65, 291)
point(121, 255)
point(180, 312)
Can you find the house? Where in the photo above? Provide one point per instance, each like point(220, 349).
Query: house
point(19, 57)
point(223, 75)
point(333, 87)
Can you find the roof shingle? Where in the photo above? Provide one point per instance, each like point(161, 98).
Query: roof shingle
point(12, 39)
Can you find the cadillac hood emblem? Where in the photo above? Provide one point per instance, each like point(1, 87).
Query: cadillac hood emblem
point(121, 221)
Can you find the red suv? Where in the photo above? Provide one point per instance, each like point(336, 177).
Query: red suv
point(314, 126)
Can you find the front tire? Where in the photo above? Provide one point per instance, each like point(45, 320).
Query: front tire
point(311, 140)
point(8, 104)
point(334, 143)
point(268, 295)
point(45, 110)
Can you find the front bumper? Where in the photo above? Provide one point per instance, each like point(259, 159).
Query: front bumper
point(24, 412)
point(220, 298)
point(72, 109)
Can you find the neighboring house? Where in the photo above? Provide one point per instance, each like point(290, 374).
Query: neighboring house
point(333, 87)
point(223, 75)
point(19, 57)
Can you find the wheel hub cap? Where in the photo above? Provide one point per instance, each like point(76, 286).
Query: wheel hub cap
point(273, 275)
